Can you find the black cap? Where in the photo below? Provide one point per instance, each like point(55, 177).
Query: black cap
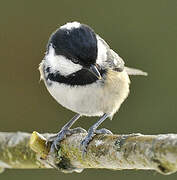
point(78, 44)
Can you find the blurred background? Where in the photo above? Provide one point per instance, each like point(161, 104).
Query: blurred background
point(144, 33)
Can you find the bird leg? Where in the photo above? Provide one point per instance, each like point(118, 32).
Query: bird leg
point(66, 131)
point(92, 132)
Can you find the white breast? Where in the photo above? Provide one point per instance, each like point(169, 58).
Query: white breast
point(93, 99)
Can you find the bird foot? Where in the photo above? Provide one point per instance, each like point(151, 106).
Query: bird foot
point(89, 137)
point(103, 131)
point(56, 139)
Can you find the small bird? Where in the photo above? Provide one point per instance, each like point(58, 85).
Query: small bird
point(86, 76)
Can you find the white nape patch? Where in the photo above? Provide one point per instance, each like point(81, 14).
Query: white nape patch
point(60, 63)
point(102, 56)
point(71, 25)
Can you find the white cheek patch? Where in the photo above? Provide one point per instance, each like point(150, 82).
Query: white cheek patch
point(71, 25)
point(102, 56)
point(61, 63)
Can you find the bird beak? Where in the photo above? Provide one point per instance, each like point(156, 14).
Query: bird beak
point(93, 69)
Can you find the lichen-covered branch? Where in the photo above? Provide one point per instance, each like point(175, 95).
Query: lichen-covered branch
point(134, 151)
point(16, 153)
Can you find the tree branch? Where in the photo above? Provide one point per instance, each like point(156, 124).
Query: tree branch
point(134, 151)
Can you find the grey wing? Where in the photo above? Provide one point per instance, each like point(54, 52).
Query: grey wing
point(113, 61)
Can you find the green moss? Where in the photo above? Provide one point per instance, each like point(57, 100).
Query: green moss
point(99, 151)
point(17, 155)
point(64, 156)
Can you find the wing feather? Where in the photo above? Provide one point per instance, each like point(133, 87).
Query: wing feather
point(113, 61)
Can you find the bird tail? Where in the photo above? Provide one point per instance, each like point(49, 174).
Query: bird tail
point(134, 72)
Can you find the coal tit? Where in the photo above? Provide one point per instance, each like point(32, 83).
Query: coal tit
point(85, 75)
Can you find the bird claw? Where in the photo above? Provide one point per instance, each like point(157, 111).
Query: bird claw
point(50, 139)
point(89, 137)
point(103, 131)
point(84, 145)
point(61, 136)
point(78, 130)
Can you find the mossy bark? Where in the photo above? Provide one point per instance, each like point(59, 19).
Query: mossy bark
point(134, 151)
point(16, 153)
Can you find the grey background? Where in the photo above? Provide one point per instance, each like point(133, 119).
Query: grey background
point(143, 32)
